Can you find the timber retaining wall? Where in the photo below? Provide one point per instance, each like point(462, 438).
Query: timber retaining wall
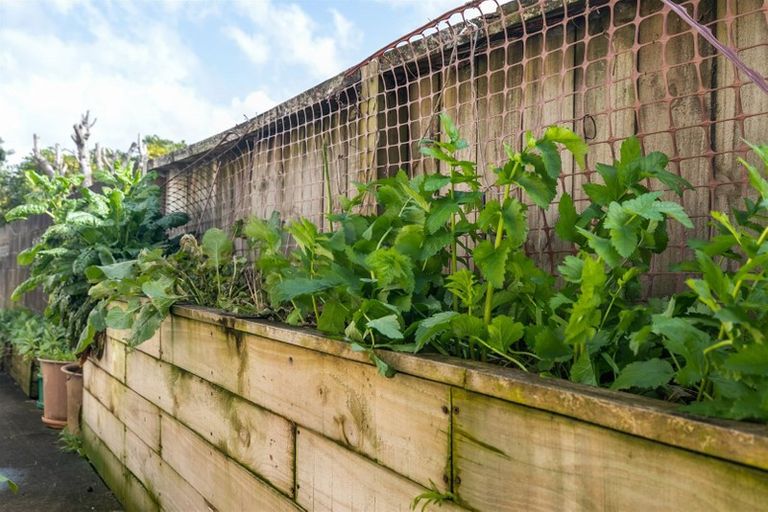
point(231, 415)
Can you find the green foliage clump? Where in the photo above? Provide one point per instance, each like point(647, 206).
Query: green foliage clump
point(440, 264)
point(109, 223)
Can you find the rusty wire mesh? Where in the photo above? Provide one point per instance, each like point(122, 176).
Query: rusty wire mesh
point(608, 69)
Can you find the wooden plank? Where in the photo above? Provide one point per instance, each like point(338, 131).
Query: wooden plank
point(400, 422)
point(424, 103)
point(738, 96)
point(150, 347)
point(208, 343)
point(135, 412)
point(152, 379)
point(112, 359)
point(126, 487)
point(652, 419)
point(172, 492)
point(257, 439)
point(225, 484)
point(569, 465)
point(367, 129)
point(332, 478)
point(104, 424)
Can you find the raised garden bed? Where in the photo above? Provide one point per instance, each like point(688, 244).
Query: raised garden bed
point(24, 371)
point(246, 415)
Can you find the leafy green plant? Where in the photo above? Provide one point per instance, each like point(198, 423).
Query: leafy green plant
point(205, 274)
point(111, 223)
point(717, 336)
point(71, 443)
point(597, 310)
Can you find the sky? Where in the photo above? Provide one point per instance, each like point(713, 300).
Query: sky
point(181, 69)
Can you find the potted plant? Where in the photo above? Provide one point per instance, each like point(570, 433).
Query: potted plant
point(54, 353)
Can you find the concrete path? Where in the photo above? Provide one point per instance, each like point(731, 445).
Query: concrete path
point(49, 480)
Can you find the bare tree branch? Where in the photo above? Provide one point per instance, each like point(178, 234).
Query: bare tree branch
point(42, 163)
point(80, 137)
point(143, 156)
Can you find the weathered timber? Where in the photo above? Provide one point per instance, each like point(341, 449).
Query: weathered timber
point(136, 413)
point(225, 484)
point(508, 458)
point(127, 488)
point(170, 490)
point(331, 478)
point(257, 439)
point(392, 421)
point(739, 442)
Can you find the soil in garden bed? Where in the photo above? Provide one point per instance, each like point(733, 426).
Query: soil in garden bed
point(48, 478)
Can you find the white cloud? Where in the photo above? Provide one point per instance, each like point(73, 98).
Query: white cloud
point(294, 37)
point(133, 75)
point(255, 47)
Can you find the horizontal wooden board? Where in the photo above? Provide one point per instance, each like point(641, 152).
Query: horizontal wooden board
point(740, 442)
point(112, 359)
point(256, 438)
point(332, 478)
point(225, 484)
point(402, 422)
point(200, 346)
point(104, 424)
point(510, 457)
point(126, 487)
point(172, 492)
point(152, 379)
point(135, 412)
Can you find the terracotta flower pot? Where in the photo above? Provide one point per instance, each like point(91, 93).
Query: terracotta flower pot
point(73, 372)
point(54, 393)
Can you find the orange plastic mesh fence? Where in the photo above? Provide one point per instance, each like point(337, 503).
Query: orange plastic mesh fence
point(608, 69)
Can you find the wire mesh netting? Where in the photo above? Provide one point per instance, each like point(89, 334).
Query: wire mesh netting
point(607, 69)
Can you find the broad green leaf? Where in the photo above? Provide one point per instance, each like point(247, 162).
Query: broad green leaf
point(434, 182)
point(623, 229)
point(602, 247)
point(24, 211)
point(503, 332)
point(118, 318)
point(551, 157)
point(333, 318)
point(570, 140)
point(582, 371)
point(540, 192)
point(491, 261)
point(631, 150)
point(599, 194)
point(116, 271)
point(551, 346)
point(433, 326)
point(752, 359)
point(571, 268)
point(567, 218)
point(217, 246)
point(440, 212)
point(644, 375)
point(489, 216)
point(388, 325)
point(289, 289)
point(515, 222)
